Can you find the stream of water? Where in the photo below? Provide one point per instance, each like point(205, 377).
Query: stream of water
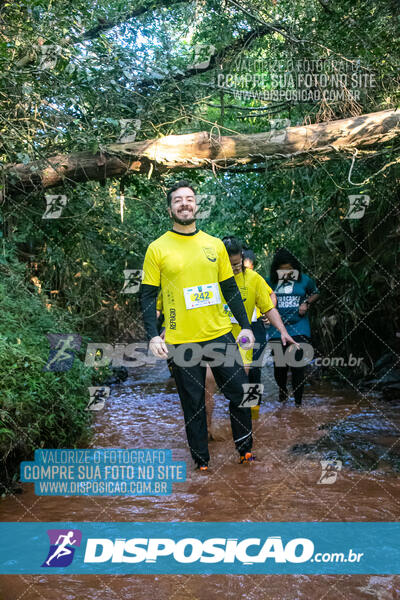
point(144, 412)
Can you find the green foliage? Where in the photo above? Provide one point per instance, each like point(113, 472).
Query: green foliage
point(91, 92)
point(37, 408)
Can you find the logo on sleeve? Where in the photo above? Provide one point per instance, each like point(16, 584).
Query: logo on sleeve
point(210, 253)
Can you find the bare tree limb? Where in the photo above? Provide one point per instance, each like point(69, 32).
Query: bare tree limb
point(206, 150)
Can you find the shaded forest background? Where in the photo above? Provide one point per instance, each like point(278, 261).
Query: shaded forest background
point(77, 77)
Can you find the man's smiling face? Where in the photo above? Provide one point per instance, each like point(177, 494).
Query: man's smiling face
point(183, 206)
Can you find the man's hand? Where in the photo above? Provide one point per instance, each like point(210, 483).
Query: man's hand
point(158, 347)
point(303, 308)
point(286, 339)
point(250, 335)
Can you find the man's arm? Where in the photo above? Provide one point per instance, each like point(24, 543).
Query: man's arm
point(148, 301)
point(150, 284)
point(234, 300)
point(275, 319)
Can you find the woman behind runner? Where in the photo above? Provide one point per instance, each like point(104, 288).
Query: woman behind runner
point(295, 292)
point(255, 292)
point(257, 323)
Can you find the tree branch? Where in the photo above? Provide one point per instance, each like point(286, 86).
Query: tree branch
point(205, 150)
point(103, 26)
point(214, 61)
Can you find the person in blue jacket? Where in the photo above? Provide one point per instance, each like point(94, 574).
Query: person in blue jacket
point(296, 292)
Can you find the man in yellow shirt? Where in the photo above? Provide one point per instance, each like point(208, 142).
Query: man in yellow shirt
point(194, 271)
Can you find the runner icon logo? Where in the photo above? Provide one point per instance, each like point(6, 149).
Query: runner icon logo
point(252, 394)
point(61, 551)
point(54, 206)
point(330, 470)
point(62, 348)
point(133, 279)
point(98, 397)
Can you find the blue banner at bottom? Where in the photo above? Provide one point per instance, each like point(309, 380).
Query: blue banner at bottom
point(199, 548)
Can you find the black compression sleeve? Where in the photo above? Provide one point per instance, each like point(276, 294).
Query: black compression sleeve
point(148, 301)
point(232, 296)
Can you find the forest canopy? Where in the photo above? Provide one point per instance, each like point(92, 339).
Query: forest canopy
point(300, 96)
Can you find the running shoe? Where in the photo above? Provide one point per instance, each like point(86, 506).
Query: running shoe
point(248, 457)
point(201, 467)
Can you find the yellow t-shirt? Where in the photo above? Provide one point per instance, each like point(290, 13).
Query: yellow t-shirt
point(255, 293)
point(189, 268)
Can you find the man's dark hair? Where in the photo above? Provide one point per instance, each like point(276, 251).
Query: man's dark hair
point(283, 257)
point(247, 253)
point(179, 184)
point(233, 246)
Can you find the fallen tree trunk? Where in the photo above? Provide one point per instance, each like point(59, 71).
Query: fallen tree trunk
point(205, 150)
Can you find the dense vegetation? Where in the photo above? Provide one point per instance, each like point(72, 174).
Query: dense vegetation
point(75, 77)
point(38, 409)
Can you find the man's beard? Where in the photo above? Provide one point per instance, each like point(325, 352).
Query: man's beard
point(187, 221)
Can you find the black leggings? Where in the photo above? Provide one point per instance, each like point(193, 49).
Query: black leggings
point(190, 381)
point(298, 373)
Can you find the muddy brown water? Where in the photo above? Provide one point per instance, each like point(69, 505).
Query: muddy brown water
point(144, 412)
